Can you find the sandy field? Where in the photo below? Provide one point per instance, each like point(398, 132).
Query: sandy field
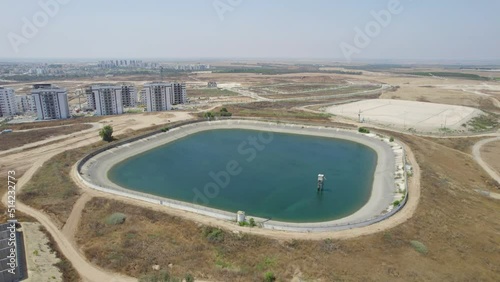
point(39, 256)
point(407, 114)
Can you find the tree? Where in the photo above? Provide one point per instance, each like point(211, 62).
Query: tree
point(106, 133)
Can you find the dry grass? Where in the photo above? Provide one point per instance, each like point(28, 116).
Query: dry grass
point(51, 123)
point(17, 139)
point(460, 144)
point(326, 92)
point(458, 227)
point(51, 188)
point(275, 110)
point(210, 92)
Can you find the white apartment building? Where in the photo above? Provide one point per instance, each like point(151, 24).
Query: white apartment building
point(8, 106)
point(127, 99)
point(25, 103)
point(51, 102)
point(105, 99)
point(158, 96)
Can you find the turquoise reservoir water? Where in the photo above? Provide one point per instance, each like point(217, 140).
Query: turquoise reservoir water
point(269, 175)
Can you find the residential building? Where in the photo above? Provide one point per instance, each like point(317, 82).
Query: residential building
point(24, 103)
point(142, 96)
point(51, 102)
point(178, 93)
point(105, 99)
point(129, 96)
point(90, 98)
point(158, 96)
point(8, 106)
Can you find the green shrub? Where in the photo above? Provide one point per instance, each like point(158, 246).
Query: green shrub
point(269, 277)
point(396, 203)
point(165, 129)
point(208, 115)
point(213, 235)
point(106, 133)
point(252, 222)
point(363, 130)
point(419, 247)
point(189, 278)
point(116, 218)
point(161, 276)
point(243, 223)
point(391, 139)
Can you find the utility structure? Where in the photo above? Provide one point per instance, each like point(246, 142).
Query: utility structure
point(321, 181)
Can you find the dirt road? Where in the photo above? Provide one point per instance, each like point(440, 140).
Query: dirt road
point(476, 152)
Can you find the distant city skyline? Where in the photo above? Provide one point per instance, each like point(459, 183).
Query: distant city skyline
point(343, 31)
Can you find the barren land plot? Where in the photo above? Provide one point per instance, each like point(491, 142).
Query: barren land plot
point(17, 139)
point(407, 114)
point(210, 92)
point(296, 91)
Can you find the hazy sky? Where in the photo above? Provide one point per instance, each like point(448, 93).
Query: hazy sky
point(422, 30)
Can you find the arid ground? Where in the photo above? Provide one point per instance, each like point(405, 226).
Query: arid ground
point(451, 235)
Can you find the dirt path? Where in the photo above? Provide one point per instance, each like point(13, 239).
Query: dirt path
point(69, 229)
point(476, 152)
point(87, 271)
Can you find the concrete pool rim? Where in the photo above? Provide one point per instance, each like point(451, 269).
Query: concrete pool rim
point(376, 209)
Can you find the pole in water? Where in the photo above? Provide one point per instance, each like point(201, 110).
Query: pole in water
point(321, 180)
